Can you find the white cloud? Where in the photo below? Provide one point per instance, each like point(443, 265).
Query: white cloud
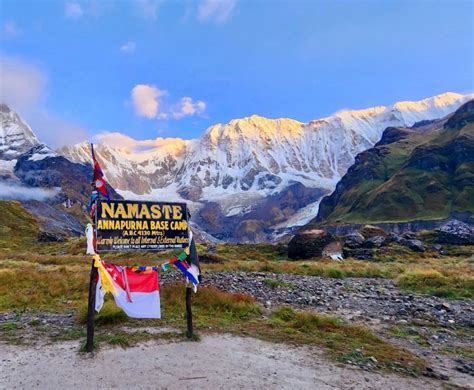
point(22, 85)
point(130, 145)
point(10, 190)
point(188, 108)
point(73, 10)
point(147, 103)
point(10, 29)
point(147, 9)
point(146, 100)
point(128, 47)
point(216, 10)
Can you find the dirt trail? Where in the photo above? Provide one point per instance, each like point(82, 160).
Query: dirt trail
point(216, 362)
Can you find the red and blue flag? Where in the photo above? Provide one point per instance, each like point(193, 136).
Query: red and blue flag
point(99, 180)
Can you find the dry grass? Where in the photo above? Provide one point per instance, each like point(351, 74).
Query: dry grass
point(216, 310)
point(54, 277)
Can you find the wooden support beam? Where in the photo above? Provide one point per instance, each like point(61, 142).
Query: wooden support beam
point(189, 313)
point(91, 309)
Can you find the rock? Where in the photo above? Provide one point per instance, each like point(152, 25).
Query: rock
point(354, 240)
point(50, 237)
point(414, 245)
point(430, 373)
point(437, 248)
point(374, 242)
point(359, 253)
point(211, 248)
point(332, 251)
point(456, 233)
point(443, 306)
point(409, 236)
point(394, 237)
point(371, 231)
point(465, 368)
point(309, 243)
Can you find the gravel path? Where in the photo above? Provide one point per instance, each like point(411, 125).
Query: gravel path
point(216, 362)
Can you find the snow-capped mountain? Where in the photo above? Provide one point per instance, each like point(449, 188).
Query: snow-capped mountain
point(16, 138)
point(52, 188)
point(236, 167)
point(251, 179)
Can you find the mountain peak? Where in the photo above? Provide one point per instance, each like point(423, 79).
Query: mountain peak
point(435, 102)
point(16, 137)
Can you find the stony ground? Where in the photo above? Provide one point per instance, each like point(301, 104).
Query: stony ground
point(431, 326)
point(364, 298)
point(437, 329)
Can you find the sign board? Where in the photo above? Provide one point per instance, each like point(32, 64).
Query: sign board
point(133, 225)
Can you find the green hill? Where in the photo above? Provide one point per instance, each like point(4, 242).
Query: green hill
point(420, 173)
point(17, 226)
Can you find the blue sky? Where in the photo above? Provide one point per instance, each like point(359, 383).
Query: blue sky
point(171, 69)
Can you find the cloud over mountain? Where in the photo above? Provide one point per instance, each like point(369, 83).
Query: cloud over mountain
point(148, 103)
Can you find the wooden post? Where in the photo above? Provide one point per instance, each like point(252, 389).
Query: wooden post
point(189, 313)
point(91, 309)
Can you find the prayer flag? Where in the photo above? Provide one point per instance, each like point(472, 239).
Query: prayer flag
point(136, 289)
point(99, 180)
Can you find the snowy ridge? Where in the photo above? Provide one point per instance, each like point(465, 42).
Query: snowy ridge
point(16, 137)
point(270, 171)
point(256, 155)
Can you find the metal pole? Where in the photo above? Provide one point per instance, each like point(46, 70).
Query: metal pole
point(189, 313)
point(91, 309)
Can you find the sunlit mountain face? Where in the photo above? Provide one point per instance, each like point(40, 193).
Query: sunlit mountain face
point(252, 179)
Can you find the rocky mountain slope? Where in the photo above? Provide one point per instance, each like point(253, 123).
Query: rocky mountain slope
point(418, 173)
point(52, 188)
point(255, 179)
point(16, 138)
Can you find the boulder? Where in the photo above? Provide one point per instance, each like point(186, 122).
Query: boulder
point(354, 240)
point(409, 235)
point(456, 233)
point(374, 242)
point(394, 237)
point(50, 237)
point(371, 231)
point(358, 253)
point(414, 245)
point(309, 243)
point(332, 251)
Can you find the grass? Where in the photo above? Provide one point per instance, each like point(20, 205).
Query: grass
point(128, 339)
point(390, 185)
point(275, 283)
point(343, 341)
point(110, 314)
point(433, 282)
point(53, 277)
point(422, 335)
point(218, 311)
point(17, 226)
